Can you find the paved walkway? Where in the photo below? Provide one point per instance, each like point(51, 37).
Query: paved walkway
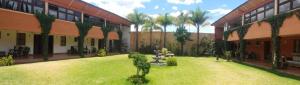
point(32, 59)
point(289, 70)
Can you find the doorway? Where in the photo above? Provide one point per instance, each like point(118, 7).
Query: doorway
point(38, 45)
point(267, 51)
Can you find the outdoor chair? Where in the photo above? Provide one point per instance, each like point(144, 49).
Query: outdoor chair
point(26, 51)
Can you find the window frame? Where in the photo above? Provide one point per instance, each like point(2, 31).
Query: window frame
point(267, 7)
point(92, 42)
point(21, 39)
point(296, 46)
point(63, 41)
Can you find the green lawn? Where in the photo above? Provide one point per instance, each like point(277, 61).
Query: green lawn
point(114, 70)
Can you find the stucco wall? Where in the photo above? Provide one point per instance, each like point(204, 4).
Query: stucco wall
point(144, 38)
point(126, 36)
point(8, 40)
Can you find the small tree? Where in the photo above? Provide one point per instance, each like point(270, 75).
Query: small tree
point(46, 25)
point(83, 30)
point(142, 68)
point(181, 34)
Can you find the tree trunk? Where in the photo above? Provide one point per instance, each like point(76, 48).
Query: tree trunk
point(276, 52)
point(182, 49)
point(165, 36)
point(80, 46)
point(151, 37)
point(136, 38)
point(45, 39)
point(197, 40)
point(161, 39)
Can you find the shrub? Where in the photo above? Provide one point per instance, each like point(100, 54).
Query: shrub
point(142, 67)
point(227, 55)
point(137, 79)
point(171, 62)
point(101, 53)
point(6, 61)
point(164, 51)
point(132, 55)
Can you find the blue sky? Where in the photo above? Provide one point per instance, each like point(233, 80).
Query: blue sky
point(216, 8)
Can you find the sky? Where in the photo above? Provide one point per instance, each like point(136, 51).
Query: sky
point(215, 8)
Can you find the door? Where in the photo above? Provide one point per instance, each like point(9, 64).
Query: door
point(38, 45)
point(267, 50)
point(100, 44)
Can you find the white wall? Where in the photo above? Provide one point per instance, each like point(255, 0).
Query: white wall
point(57, 48)
point(126, 36)
point(8, 40)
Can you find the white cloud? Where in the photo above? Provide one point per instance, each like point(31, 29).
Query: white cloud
point(220, 11)
point(185, 2)
point(156, 7)
point(175, 8)
point(120, 7)
point(177, 13)
point(154, 15)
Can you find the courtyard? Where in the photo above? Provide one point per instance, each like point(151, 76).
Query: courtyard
point(114, 70)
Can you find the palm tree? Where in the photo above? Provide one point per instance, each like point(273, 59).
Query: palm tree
point(45, 22)
point(198, 17)
point(165, 21)
point(150, 25)
point(181, 34)
point(137, 19)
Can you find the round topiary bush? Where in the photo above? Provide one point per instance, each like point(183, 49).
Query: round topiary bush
point(172, 61)
point(101, 53)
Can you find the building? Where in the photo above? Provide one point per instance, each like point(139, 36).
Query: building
point(20, 28)
point(259, 35)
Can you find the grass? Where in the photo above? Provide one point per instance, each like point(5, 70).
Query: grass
point(114, 70)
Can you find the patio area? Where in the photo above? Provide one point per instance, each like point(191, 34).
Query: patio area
point(37, 58)
point(263, 64)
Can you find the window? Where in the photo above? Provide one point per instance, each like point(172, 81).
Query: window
point(296, 3)
point(70, 17)
point(53, 10)
point(62, 15)
point(92, 42)
point(261, 9)
point(269, 13)
point(12, 5)
point(282, 1)
point(260, 16)
point(63, 40)
point(75, 39)
point(1, 3)
point(38, 6)
point(284, 7)
point(253, 18)
point(77, 16)
point(297, 46)
point(26, 6)
point(21, 39)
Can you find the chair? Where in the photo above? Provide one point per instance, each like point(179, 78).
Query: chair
point(26, 51)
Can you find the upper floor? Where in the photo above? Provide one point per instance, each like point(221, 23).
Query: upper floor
point(68, 10)
point(255, 10)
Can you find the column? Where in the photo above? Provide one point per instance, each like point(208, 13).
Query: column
point(243, 19)
point(82, 17)
point(276, 7)
point(46, 7)
point(105, 23)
